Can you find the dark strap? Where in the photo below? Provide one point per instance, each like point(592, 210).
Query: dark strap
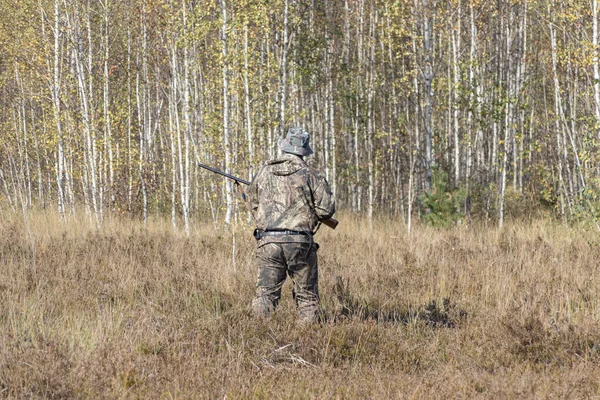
point(259, 233)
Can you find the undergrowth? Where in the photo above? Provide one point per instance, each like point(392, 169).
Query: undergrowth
point(145, 312)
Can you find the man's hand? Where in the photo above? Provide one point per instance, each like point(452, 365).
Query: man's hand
point(240, 190)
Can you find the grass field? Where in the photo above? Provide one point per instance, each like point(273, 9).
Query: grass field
point(136, 311)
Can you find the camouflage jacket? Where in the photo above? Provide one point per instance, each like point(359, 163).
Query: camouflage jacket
point(287, 194)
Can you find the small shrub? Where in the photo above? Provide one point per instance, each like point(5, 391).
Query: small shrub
point(441, 205)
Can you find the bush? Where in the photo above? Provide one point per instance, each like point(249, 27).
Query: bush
point(442, 206)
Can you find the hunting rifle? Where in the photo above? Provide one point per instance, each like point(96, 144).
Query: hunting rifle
point(331, 222)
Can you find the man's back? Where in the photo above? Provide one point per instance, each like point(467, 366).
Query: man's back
point(289, 195)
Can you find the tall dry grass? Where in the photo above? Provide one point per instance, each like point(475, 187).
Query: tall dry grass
point(142, 312)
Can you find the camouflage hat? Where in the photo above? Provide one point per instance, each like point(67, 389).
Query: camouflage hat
point(296, 142)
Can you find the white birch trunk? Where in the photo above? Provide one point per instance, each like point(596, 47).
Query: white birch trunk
point(283, 71)
point(520, 83)
point(172, 109)
point(129, 126)
point(332, 133)
point(596, 64)
point(428, 79)
point(24, 153)
point(55, 89)
point(142, 147)
point(559, 146)
point(371, 122)
point(249, 138)
point(175, 114)
point(226, 134)
point(325, 126)
point(96, 171)
point(471, 126)
point(107, 119)
point(188, 128)
point(456, 33)
point(89, 136)
point(508, 116)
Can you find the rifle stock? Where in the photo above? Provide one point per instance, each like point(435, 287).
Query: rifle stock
point(331, 223)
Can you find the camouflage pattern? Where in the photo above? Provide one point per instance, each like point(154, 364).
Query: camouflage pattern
point(288, 194)
point(299, 260)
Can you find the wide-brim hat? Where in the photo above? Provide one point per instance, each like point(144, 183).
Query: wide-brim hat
point(297, 141)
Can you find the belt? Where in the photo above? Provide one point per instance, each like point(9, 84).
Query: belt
point(259, 234)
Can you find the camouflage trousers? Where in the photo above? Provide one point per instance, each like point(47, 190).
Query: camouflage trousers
point(299, 261)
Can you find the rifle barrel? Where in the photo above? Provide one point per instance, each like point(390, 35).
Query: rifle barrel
point(225, 174)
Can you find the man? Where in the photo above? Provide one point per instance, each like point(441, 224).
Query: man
point(288, 199)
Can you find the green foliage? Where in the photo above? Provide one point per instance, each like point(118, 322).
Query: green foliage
point(586, 207)
point(442, 206)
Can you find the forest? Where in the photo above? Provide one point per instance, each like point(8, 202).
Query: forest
point(426, 109)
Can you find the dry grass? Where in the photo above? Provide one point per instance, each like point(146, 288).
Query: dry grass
point(142, 312)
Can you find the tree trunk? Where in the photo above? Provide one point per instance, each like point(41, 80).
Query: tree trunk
point(428, 21)
point(226, 138)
